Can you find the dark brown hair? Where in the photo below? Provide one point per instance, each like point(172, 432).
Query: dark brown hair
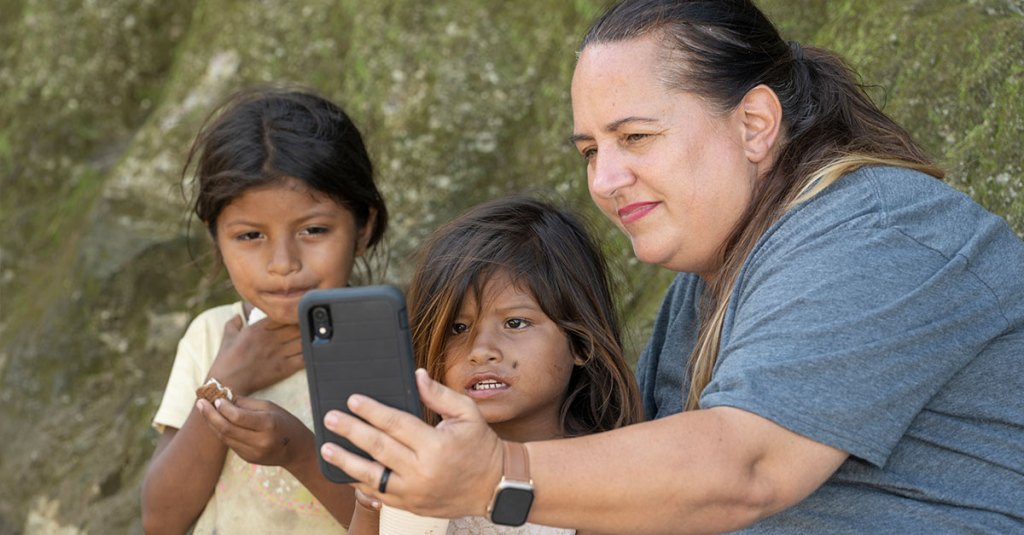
point(720, 50)
point(547, 251)
point(266, 134)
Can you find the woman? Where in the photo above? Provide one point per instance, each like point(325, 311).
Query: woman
point(854, 327)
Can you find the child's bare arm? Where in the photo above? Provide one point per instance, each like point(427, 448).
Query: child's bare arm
point(263, 433)
point(187, 462)
point(181, 476)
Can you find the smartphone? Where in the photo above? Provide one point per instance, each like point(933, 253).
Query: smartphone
point(356, 341)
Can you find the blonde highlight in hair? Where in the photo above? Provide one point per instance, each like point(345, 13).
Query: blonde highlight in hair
point(719, 50)
point(547, 252)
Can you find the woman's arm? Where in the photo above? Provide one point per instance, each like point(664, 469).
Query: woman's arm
point(702, 471)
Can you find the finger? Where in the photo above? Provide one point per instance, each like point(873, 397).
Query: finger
point(385, 449)
point(214, 418)
point(407, 429)
point(367, 501)
point(233, 326)
point(366, 472)
point(246, 413)
point(449, 404)
point(294, 363)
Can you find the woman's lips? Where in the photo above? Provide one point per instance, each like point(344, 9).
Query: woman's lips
point(636, 211)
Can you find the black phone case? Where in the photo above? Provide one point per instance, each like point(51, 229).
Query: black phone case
point(366, 350)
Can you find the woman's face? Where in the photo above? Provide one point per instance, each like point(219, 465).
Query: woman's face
point(663, 165)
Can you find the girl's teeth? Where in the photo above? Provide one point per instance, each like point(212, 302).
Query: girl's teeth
point(488, 385)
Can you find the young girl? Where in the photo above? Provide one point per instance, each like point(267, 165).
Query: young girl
point(285, 188)
point(510, 305)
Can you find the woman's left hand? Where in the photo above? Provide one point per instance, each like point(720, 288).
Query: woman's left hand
point(259, 431)
point(448, 471)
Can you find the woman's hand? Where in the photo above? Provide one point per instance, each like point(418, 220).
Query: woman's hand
point(259, 431)
point(448, 471)
point(256, 356)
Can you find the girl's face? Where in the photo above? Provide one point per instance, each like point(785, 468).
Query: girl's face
point(512, 359)
point(665, 168)
point(281, 240)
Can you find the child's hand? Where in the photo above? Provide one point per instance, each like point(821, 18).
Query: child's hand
point(259, 431)
point(256, 356)
point(368, 502)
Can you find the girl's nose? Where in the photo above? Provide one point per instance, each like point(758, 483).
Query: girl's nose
point(485, 349)
point(284, 258)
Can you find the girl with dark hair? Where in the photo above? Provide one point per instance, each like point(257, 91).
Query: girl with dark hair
point(841, 351)
point(284, 185)
point(510, 305)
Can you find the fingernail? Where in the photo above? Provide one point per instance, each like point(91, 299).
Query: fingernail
point(375, 504)
point(354, 401)
point(327, 451)
point(199, 407)
point(217, 403)
point(331, 419)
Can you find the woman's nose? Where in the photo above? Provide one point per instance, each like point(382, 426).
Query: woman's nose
point(608, 173)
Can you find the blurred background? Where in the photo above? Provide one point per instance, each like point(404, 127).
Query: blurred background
point(459, 101)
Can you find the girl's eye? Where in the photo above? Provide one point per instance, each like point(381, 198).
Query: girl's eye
point(249, 236)
point(516, 323)
point(460, 328)
point(315, 230)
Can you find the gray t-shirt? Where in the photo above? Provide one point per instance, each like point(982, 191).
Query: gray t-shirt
point(885, 317)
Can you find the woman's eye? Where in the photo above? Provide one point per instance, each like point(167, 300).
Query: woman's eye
point(589, 153)
point(635, 138)
point(460, 328)
point(516, 323)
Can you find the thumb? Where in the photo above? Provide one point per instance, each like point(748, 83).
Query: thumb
point(233, 326)
point(447, 403)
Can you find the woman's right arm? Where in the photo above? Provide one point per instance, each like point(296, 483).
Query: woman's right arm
point(181, 476)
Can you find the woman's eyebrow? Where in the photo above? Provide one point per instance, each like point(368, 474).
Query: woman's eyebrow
point(612, 127)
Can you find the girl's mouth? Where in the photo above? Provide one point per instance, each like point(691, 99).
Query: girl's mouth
point(489, 384)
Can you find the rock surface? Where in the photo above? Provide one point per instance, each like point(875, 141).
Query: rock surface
point(460, 101)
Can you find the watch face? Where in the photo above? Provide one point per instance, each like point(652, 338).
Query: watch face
point(512, 505)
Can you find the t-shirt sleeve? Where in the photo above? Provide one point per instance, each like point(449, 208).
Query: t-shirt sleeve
point(192, 362)
point(845, 338)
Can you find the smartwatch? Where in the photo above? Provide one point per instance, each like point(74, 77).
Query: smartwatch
point(514, 494)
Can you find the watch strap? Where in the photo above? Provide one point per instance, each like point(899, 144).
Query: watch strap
point(517, 461)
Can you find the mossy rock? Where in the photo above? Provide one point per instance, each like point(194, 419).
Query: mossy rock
point(460, 101)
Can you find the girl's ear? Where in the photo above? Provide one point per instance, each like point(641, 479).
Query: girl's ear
point(364, 234)
point(761, 116)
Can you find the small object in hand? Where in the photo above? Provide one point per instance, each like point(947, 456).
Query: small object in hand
point(213, 390)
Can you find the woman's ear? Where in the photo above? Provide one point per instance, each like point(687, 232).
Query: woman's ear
point(761, 114)
point(364, 234)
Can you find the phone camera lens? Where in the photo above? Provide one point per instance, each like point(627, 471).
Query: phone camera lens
point(322, 323)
